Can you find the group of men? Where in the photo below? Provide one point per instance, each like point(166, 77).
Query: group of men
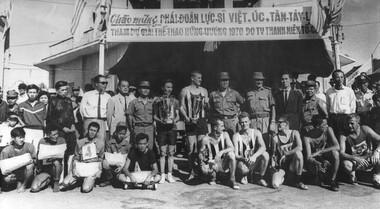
point(227, 135)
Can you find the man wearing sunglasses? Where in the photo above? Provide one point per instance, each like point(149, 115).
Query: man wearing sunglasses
point(94, 106)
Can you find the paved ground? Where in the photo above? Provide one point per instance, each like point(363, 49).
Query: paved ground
point(197, 195)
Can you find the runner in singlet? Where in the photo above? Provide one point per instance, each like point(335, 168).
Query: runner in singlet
point(322, 152)
point(357, 150)
point(217, 154)
point(287, 154)
point(193, 105)
point(250, 152)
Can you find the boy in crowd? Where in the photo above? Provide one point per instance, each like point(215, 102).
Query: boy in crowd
point(166, 114)
point(287, 154)
point(322, 151)
point(217, 154)
point(82, 155)
point(48, 170)
point(358, 151)
point(12, 96)
point(250, 151)
point(140, 158)
point(12, 122)
point(24, 175)
point(118, 144)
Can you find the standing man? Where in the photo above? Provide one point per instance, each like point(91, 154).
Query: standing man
point(140, 114)
point(117, 106)
point(166, 114)
point(340, 101)
point(312, 105)
point(12, 96)
point(23, 96)
point(4, 109)
point(364, 102)
point(75, 95)
point(194, 102)
point(225, 102)
point(61, 114)
point(33, 113)
point(94, 106)
point(261, 107)
point(289, 101)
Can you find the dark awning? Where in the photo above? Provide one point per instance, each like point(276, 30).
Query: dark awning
point(156, 61)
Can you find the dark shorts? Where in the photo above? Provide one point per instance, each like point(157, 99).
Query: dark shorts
point(167, 138)
point(200, 128)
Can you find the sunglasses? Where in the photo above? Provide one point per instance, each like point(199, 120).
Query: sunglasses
point(104, 82)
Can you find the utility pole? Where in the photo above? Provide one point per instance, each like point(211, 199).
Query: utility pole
point(336, 40)
point(102, 40)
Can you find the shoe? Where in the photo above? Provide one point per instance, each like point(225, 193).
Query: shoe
point(262, 182)
point(334, 186)
point(162, 180)
point(152, 186)
point(234, 185)
point(353, 180)
point(191, 177)
point(104, 184)
point(170, 178)
point(125, 186)
point(212, 182)
point(56, 186)
point(302, 186)
point(244, 180)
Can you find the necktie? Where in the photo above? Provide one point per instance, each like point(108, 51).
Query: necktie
point(125, 103)
point(285, 97)
point(99, 116)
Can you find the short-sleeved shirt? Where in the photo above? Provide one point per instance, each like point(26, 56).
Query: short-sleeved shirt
point(99, 144)
point(165, 107)
point(259, 101)
point(141, 113)
point(10, 151)
point(145, 161)
point(113, 146)
point(310, 108)
point(364, 101)
point(226, 105)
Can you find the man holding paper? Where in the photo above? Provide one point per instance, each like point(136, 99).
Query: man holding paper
point(116, 151)
point(49, 167)
point(87, 162)
point(16, 160)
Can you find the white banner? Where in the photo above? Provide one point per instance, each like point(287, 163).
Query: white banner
point(233, 24)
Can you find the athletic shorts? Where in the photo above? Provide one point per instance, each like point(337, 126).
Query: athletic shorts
point(200, 128)
point(167, 138)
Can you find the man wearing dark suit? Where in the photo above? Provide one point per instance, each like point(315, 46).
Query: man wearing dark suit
point(289, 101)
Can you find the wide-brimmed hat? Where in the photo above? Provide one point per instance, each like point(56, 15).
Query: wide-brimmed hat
point(258, 76)
point(224, 76)
point(12, 94)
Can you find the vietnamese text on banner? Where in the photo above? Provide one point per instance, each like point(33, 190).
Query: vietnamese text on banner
point(211, 24)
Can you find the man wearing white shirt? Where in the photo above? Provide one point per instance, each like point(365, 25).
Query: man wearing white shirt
point(340, 101)
point(94, 106)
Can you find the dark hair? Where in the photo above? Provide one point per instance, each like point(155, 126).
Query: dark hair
point(375, 97)
point(94, 124)
point(19, 131)
point(59, 84)
point(243, 115)
point(9, 117)
point(110, 92)
point(285, 117)
point(336, 71)
point(193, 73)
point(214, 122)
point(286, 73)
point(22, 86)
point(312, 77)
point(88, 87)
point(317, 120)
point(141, 136)
point(167, 81)
point(78, 99)
point(352, 116)
point(121, 80)
point(97, 78)
point(32, 86)
point(41, 93)
point(51, 127)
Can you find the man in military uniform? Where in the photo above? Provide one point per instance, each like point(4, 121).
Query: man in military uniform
point(140, 114)
point(364, 101)
point(225, 102)
point(261, 107)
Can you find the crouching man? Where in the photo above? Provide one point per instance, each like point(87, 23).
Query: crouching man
point(217, 154)
point(250, 152)
point(48, 170)
point(141, 169)
point(358, 152)
point(322, 152)
point(88, 150)
point(23, 175)
point(119, 144)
